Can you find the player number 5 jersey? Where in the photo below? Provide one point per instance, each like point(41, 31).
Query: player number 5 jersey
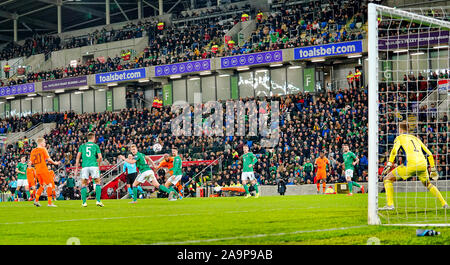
point(89, 152)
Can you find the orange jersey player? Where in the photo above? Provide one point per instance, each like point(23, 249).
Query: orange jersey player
point(321, 176)
point(39, 157)
point(167, 162)
point(52, 178)
point(31, 178)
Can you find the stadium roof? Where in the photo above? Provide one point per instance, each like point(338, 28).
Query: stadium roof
point(40, 16)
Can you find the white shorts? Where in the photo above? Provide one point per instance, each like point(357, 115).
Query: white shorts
point(146, 175)
point(174, 179)
point(22, 183)
point(94, 172)
point(349, 173)
point(248, 176)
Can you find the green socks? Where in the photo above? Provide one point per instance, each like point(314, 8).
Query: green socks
point(84, 194)
point(350, 186)
point(256, 187)
point(246, 189)
point(28, 194)
point(98, 192)
point(134, 193)
point(16, 194)
point(165, 189)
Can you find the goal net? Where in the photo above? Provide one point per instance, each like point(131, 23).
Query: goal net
point(409, 83)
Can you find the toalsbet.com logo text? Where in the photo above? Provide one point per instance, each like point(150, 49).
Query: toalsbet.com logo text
point(208, 120)
point(328, 50)
point(120, 76)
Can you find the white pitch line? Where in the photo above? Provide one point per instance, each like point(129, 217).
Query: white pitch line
point(147, 216)
point(256, 236)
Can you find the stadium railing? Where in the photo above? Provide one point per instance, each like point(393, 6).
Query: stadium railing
point(110, 174)
point(210, 166)
point(17, 136)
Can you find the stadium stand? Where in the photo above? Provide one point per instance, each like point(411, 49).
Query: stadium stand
point(192, 37)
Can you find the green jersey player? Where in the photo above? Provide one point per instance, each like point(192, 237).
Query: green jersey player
point(350, 160)
point(248, 160)
point(22, 181)
point(91, 157)
point(177, 173)
point(145, 173)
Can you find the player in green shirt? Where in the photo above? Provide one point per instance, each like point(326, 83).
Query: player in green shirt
point(350, 160)
point(308, 169)
point(91, 157)
point(248, 160)
point(145, 173)
point(177, 174)
point(22, 181)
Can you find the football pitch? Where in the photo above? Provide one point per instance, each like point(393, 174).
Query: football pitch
point(307, 219)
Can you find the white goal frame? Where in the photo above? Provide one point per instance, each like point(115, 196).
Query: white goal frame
point(373, 9)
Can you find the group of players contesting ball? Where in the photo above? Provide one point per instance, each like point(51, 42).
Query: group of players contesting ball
point(415, 164)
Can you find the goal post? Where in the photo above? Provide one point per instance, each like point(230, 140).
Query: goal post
point(402, 45)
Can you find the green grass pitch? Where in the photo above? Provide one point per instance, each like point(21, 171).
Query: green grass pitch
point(307, 219)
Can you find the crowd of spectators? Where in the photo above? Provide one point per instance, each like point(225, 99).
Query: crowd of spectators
point(298, 25)
point(129, 31)
point(401, 101)
point(203, 37)
point(35, 45)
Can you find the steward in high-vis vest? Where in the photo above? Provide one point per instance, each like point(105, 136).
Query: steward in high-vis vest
point(214, 48)
point(6, 69)
point(259, 16)
point(231, 44)
point(350, 77)
point(357, 76)
point(244, 17)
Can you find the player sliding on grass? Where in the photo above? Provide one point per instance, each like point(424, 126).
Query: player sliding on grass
point(39, 157)
point(248, 160)
point(415, 165)
point(22, 181)
point(145, 173)
point(350, 160)
point(91, 157)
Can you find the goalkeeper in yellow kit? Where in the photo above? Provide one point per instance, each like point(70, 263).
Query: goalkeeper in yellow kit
point(415, 165)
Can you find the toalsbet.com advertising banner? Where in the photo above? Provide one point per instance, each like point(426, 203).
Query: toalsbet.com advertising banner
point(328, 50)
point(120, 76)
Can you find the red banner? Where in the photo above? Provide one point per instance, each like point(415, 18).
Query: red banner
point(156, 157)
point(102, 168)
point(109, 191)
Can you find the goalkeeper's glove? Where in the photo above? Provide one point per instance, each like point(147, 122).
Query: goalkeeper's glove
point(433, 174)
point(386, 169)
